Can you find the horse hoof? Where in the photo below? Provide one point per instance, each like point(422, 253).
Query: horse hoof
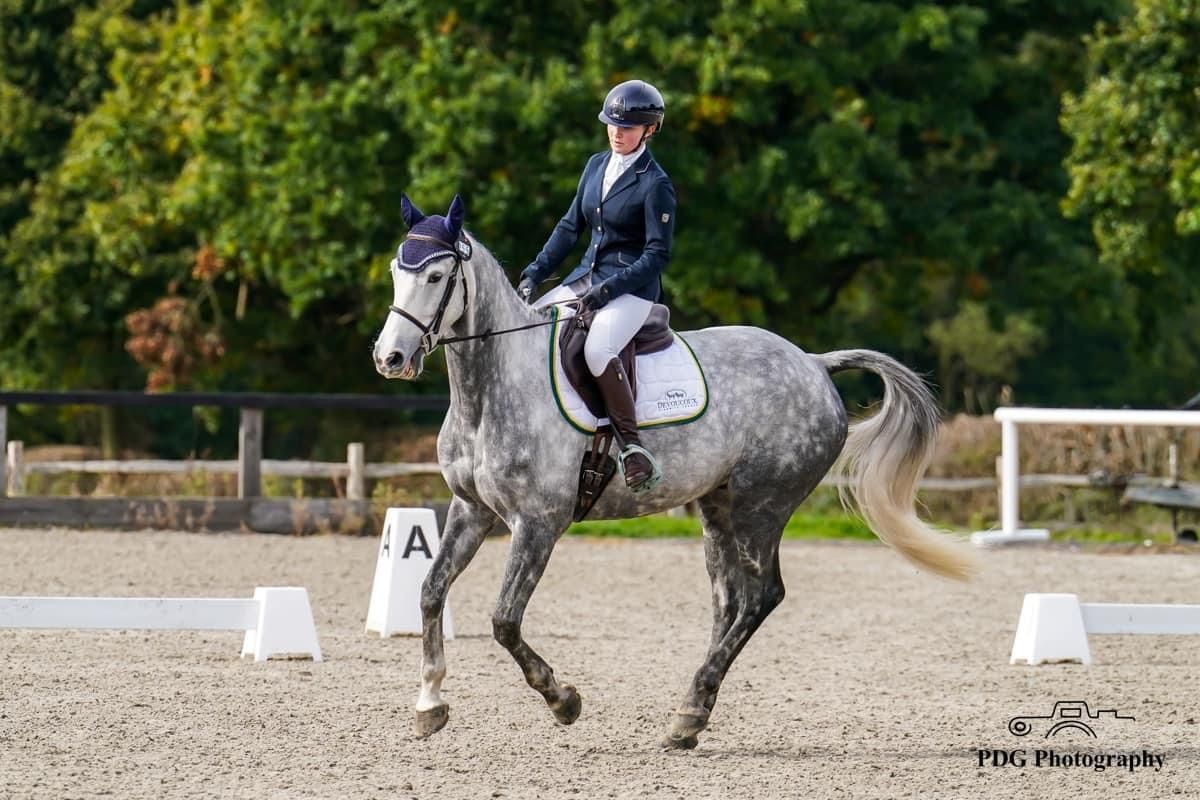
point(683, 730)
point(567, 709)
point(431, 721)
point(671, 742)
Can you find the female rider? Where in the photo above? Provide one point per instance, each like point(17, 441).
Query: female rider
point(627, 203)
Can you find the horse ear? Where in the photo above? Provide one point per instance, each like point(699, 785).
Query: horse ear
point(455, 217)
point(412, 215)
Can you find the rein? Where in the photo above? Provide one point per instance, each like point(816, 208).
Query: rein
point(460, 250)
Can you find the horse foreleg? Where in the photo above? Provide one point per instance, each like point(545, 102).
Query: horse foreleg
point(526, 562)
point(466, 527)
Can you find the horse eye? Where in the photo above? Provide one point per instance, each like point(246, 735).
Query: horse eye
point(435, 277)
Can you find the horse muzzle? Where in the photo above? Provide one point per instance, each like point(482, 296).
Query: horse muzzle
point(395, 365)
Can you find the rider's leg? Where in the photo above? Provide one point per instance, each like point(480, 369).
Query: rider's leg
point(611, 329)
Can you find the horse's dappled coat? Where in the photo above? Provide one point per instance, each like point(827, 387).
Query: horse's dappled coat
point(774, 427)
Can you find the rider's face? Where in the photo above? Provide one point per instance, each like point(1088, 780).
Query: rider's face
point(624, 141)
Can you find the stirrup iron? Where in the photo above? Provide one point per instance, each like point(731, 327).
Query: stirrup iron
point(656, 474)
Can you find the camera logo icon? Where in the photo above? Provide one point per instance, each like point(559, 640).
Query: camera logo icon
point(1067, 715)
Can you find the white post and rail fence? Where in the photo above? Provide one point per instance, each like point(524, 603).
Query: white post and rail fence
point(1009, 463)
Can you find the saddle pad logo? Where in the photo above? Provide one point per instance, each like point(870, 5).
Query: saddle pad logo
point(677, 400)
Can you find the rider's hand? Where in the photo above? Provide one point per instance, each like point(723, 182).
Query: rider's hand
point(595, 298)
point(525, 289)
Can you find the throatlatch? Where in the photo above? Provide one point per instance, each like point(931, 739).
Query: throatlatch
point(595, 472)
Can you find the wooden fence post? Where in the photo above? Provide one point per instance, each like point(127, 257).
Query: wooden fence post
point(16, 469)
point(3, 449)
point(356, 459)
point(1173, 461)
point(250, 453)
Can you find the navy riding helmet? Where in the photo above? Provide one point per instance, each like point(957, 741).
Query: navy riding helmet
point(633, 103)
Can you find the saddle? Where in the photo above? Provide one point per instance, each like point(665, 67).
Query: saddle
point(654, 335)
point(598, 466)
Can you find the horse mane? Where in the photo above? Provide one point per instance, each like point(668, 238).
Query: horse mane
point(479, 248)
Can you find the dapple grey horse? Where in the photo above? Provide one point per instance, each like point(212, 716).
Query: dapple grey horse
point(774, 427)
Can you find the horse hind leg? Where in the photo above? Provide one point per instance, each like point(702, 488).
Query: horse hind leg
point(714, 516)
point(527, 561)
point(743, 563)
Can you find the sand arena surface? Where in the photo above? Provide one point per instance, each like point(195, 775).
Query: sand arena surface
point(870, 681)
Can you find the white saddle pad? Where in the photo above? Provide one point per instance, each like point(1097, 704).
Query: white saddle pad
point(671, 389)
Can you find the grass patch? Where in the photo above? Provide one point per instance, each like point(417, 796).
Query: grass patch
point(800, 526)
point(1096, 535)
point(652, 527)
point(826, 526)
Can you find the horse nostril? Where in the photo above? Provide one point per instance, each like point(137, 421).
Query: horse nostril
point(394, 359)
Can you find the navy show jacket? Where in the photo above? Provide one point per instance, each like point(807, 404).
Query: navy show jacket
point(631, 229)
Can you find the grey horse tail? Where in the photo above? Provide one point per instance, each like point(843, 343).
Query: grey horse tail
point(884, 457)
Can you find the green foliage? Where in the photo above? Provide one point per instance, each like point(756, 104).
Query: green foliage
point(982, 360)
point(851, 173)
point(1135, 171)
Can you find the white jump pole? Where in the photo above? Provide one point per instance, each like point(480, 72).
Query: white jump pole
point(1010, 477)
point(1010, 495)
point(1010, 531)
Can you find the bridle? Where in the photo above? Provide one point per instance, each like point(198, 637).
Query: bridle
point(459, 251)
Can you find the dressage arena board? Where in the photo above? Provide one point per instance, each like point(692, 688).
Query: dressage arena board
point(871, 680)
point(276, 621)
point(1055, 627)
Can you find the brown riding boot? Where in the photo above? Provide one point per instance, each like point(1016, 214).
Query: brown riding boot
point(641, 471)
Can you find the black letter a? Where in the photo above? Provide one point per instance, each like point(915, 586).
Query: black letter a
point(416, 541)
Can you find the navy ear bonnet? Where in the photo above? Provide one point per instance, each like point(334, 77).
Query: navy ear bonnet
point(432, 238)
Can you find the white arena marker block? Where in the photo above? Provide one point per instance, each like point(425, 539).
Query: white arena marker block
point(406, 551)
point(1050, 629)
point(284, 627)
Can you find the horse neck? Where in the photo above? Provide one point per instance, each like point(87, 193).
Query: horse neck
point(483, 366)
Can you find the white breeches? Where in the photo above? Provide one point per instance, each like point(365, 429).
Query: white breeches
point(612, 327)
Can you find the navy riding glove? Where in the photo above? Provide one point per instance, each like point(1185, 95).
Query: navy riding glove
point(526, 288)
point(595, 298)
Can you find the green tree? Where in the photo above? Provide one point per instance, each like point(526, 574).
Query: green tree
point(53, 70)
point(849, 172)
point(1135, 173)
point(978, 360)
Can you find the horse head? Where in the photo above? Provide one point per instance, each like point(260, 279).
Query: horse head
point(429, 289)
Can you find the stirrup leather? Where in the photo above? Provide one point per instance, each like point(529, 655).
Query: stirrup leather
point(656, 475)
point(595, 472)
